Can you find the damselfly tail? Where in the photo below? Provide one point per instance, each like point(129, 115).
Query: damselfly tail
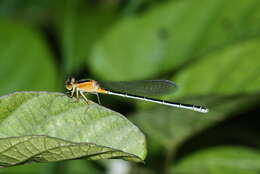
point(163, 102)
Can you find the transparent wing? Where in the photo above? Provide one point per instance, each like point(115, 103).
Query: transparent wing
point(143, 87)
point(83, 80)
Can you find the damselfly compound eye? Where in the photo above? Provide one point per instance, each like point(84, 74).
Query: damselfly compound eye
point(69, 87)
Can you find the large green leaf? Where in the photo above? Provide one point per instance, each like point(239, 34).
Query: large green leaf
point(46, 127)
point(25, 60)
point(170, 34)
point(232, 70)
point(230, 24)
point(170, 127)
point(224, 160)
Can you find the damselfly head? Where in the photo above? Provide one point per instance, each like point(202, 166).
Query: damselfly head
point(70, 82)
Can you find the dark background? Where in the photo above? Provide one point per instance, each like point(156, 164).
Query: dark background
point(210, 48)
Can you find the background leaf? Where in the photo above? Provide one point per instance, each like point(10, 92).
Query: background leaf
point(24, 169)
point(80, 25)
point(36, 12)
point(169, 35)
point(21, 44)
point(80, 167)
point(232, 70)
point(44, 127)
point(226, 160)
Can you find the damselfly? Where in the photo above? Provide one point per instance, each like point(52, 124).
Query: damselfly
point(132, 89)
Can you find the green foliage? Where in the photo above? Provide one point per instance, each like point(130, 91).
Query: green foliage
point(226, 160)
point(26, 63)
point(169, 35)
point(79, 30)
point(37, 127)
point(209, 48)
point(170, 127)
point(230, 71)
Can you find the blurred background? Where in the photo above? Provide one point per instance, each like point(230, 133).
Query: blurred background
point(210, 48)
